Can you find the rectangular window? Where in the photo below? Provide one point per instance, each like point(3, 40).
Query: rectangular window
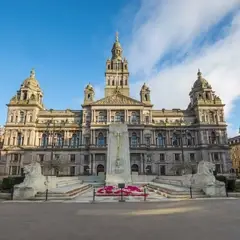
point(147, 119)
point(15, 157)
point(72, 158)
point(215, 156)
point(162, 157)
point(177, 156)
point(86, 159)
point(72, 170)
point(14, 170)
point(192, 156)
point(41, 158)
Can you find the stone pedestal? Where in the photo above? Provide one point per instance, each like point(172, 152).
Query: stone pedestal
point(118, 155)
point(217, 190)
point(21, 193)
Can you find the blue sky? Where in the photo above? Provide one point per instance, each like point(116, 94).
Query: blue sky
point(68, 42)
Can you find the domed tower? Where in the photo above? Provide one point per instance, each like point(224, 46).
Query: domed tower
point(145, 94)
point(116, 75)
point(23, 110)
point(89, 94)
point(207, 106)
point(29, 92)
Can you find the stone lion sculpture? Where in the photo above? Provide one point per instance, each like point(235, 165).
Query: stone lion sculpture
point(33, 182)
point(33, 175)
point(203, 177)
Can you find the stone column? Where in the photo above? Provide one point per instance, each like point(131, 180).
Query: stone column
point(153, 137)
point(110, 115)
point(141, 164)
point(93, 164)
point(90, 164)
point(141, 116)
point(141, 137)
point(81, 167)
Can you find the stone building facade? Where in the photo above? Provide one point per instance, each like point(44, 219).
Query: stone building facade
point(234, 144)
point(161, 141)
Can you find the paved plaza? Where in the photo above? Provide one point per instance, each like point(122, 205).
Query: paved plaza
point(196, 219)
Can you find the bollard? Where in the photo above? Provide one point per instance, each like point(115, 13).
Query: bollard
point(94, 195)
point(226, 187)
point(191, 192)
point(121, 200)
point(12, 191)
point(46, 196)
point(145, 194)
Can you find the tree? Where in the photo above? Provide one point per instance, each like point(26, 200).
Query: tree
point(56, 165)
point(185, 168)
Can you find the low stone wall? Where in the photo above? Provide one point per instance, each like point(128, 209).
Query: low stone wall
point(143, 178)
point(5, 196)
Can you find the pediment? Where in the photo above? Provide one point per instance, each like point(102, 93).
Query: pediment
point(118, 99)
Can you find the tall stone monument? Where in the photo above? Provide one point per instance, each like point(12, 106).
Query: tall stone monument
point(118, 155)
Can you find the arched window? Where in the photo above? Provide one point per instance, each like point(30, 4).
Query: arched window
point(25, 95)
point(44, 141)
point(133, 117)
point(175, 139)
point(74, 140)
point(89, 96)
point(108, 82)
point(109, 66)
point(59, 140)
point(121, 82)
point(19, 139)
point(134, 140)
point(117, 117)
point(21, 117)
point(113, 82)
point(126, 83)
point(212, 117)
point(189, 139)
point(146, 97)
point(213, 137)
point(160, 140)
point(101, 117)
point(100, 140)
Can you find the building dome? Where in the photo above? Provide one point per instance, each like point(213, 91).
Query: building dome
point(201, 82)
point(31, 81)
point(89, 87)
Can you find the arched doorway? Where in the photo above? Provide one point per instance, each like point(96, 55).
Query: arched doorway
point(134, 168)
point(100, 168)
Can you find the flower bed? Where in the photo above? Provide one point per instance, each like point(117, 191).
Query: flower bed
point(115, 191)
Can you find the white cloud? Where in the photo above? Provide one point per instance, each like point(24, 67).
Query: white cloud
point(162, 26)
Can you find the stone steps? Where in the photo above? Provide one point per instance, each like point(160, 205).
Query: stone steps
point(69, 194)
point(68, 182)
point(169, 192)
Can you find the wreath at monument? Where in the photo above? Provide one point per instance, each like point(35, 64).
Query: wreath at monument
point(126, 191)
